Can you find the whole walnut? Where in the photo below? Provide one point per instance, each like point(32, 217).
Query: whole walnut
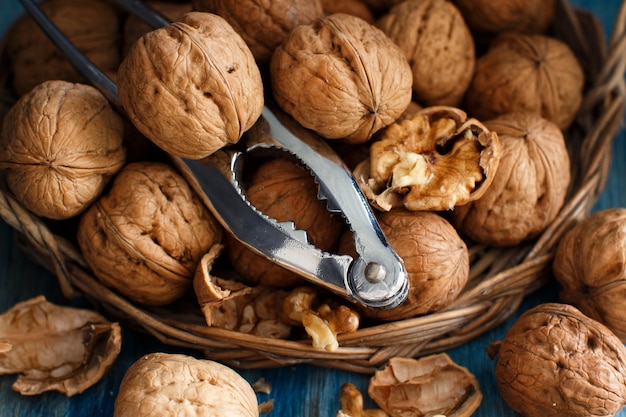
point(171, 384)
point(526, 16)
point(284, 191)
point(533, 73)
point(191, 87)
point(439, 46)
point(556, 362)
point(60, 145)
point(435, 257)
point(530, 187)
point(353, 7)
point(590, 265)
point(341, 77)
point(92, 25)
point(146, 236)
point(263, 25)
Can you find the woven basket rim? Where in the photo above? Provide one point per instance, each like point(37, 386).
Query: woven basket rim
point(501, 277)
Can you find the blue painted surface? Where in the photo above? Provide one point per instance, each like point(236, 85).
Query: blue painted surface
point(298, 391)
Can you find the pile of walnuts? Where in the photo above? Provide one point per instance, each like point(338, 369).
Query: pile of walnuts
point(452, 114)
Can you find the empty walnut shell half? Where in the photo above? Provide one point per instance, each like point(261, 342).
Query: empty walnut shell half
point(341, 77)
point(590, 265)
point(60, 145)
point(191, 87)
point(435, 160)
point(556, 362)
point(146, 236)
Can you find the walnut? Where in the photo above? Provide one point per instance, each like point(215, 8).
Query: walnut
point(191, 87)
point(533, 73)
point(177, 384)
point(60, 145)
point(341, 77)
point(439, 46)
point(434, 160)
point(435, 257)
point(93, 26)
point(430, 386)
point(146, 236)
point(353, 7)
point(352, 403)
point(530, 187)
point(590, 265)
point(555, 361)
point(526, 16)
point(284, 191)
point(263, 25)
point(54, 347)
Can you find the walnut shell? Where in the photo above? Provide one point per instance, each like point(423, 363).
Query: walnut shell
point(263, 25)
point(530, 187)
point(191, 87)
point(556, 362)
point(439, 46)
point(181, 385)
point(590, 265)
point(434, 160)
point(60, 145)
point(526, 16)
point(341, 77)
point(284, 191)
point(435, 257)
point(93, 26)
point(530, 73)
point(146, 236)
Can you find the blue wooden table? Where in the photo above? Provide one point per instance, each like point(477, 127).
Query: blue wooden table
point(298, 391)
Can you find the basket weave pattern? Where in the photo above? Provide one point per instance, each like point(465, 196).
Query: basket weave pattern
point(500, 278)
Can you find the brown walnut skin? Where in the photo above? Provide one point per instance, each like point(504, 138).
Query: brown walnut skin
point(93, 26)
point(284, 191)
point(529, 189)
point(438, 45)
point(526, 16)
point(435, 257)
point(527, 73)
point(146, 236)
point(263, 25)
point(341, 77)
point(191, 87)
point(556, 362)
point(60, 145)
point(590, 265)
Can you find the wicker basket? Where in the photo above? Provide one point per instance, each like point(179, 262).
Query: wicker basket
point(500, 278)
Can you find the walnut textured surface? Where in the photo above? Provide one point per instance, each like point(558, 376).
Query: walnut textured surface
point(146, 236)
point(191, 87)
point(529, 188)
point(439, 46)
point(166, 384)
point(341, 77)
point(60, 145)
point(590, 265)
point(556, 362)
point(263, 25)
point(532, 73)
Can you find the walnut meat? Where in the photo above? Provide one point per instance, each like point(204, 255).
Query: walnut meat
point(529, 73)
point(434, 160)
point(60, 145)
point(556, 362)
point(146, 236)
point(341, 77)
point(590, 265)
point(530, 187)
point(176, 385)
point(263, 25)
point(439, 46)
point(191, 87)
point(93, 26)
